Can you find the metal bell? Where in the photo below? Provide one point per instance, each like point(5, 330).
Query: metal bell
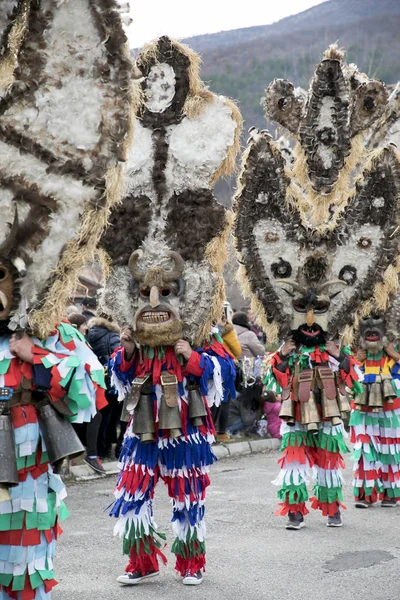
point(387, 388)
point(307, 415)
point(8, 459)
point(143, 419)
point(336, 421)
point(330, 408)
point(197, 408)
point(313, 413)
point(170, 418)
point(375, 400)
point(59, 436)
point(343, 403)
point(287, 411)
point(362, 399)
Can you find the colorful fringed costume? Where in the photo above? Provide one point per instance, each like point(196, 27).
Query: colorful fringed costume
point(167, 247)
point(60, 151)
point(303, 449)
point(182, 462)
point(64, 370)
point(316, 258)
point(375, 428)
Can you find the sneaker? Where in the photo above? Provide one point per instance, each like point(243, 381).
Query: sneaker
point(296, 521)
point(223, 438)
point(389, 503)
point(95, 464)
point(192, 578)
point(363, 503)
point(135, 578)
point(335, 521)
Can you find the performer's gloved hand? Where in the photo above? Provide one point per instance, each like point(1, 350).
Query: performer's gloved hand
point(392, 352)
point(183, 347)
point(22, 347)
point(361, 355)
point(287, 348)
point(332, 349)
point(128, 343)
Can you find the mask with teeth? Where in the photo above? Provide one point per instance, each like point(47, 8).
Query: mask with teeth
point(167, 238)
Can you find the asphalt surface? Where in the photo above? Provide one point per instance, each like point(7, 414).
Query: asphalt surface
point(250, 554)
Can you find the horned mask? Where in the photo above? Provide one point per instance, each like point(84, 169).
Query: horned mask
point(65, 94)
point(166, 240)
point(317, 253)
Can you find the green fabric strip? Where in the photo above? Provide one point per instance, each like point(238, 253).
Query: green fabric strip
point(294, 494)
point(330, 495)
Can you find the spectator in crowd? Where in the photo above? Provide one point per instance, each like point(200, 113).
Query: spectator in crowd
point(79, 322)
point(220, 414)
point(251, 345)
point(88, 432)
point(246, 411)
point(71, 309)
point(89, 306)
point(103, 337)
point(272, 407)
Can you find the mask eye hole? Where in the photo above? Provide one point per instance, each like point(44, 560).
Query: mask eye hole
point(299, 306)
point(3, 273)
point(165, 292)
point(145, 292)
point(321, 308)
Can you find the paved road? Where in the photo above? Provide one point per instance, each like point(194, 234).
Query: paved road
point(250, 555)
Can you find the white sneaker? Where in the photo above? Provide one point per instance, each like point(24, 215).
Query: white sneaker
point(192, 578)
point(135, 578)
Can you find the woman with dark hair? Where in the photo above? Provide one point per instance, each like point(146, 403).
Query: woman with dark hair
point(251, 346)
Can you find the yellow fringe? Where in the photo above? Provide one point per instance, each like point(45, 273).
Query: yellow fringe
point(314, 208)
point(229, 164)
point(15, 38)
point(216, 254)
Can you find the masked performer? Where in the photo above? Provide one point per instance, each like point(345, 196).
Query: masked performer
point(315, 257)
point(375, 428)
point(167, 244)
point(57, 115)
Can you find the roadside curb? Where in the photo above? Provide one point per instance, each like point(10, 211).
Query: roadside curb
point(85, 473)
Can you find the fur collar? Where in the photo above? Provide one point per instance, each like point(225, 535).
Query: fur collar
point(100, 322)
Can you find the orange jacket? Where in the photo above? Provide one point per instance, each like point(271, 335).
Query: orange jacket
point(231, 341)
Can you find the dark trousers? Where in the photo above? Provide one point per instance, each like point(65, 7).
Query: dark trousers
point(108, 428)
point(220, 415)
point(88, 434)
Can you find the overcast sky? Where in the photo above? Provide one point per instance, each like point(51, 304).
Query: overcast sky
point(184, 18)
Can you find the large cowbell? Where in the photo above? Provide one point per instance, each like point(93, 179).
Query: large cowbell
point(59, 436)
point(8, 460)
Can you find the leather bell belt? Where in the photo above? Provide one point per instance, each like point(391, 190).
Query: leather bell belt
point(323, 376)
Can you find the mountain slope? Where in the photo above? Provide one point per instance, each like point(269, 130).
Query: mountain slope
point(241, 63)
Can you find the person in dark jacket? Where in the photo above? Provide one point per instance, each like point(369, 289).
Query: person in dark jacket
point(88, 432)
point(89, 307)
point(103, 337)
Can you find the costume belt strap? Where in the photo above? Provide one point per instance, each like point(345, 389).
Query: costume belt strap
point(305, 381)
point(138, 387)
point(169, 383)
point(326, 381)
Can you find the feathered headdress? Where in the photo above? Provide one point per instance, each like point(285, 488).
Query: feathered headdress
point(166, 241)
point(65, 101)
point(324, 220)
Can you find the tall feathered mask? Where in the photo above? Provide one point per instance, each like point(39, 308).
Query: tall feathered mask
point(65, 98)
point(166, 240)
point(318, 229)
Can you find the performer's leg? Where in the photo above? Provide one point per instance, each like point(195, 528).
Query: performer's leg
point(296, 462)
point(329, 463)
point(184, 468)
point(365, 436)
point(389, 446)
point(133, 507)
